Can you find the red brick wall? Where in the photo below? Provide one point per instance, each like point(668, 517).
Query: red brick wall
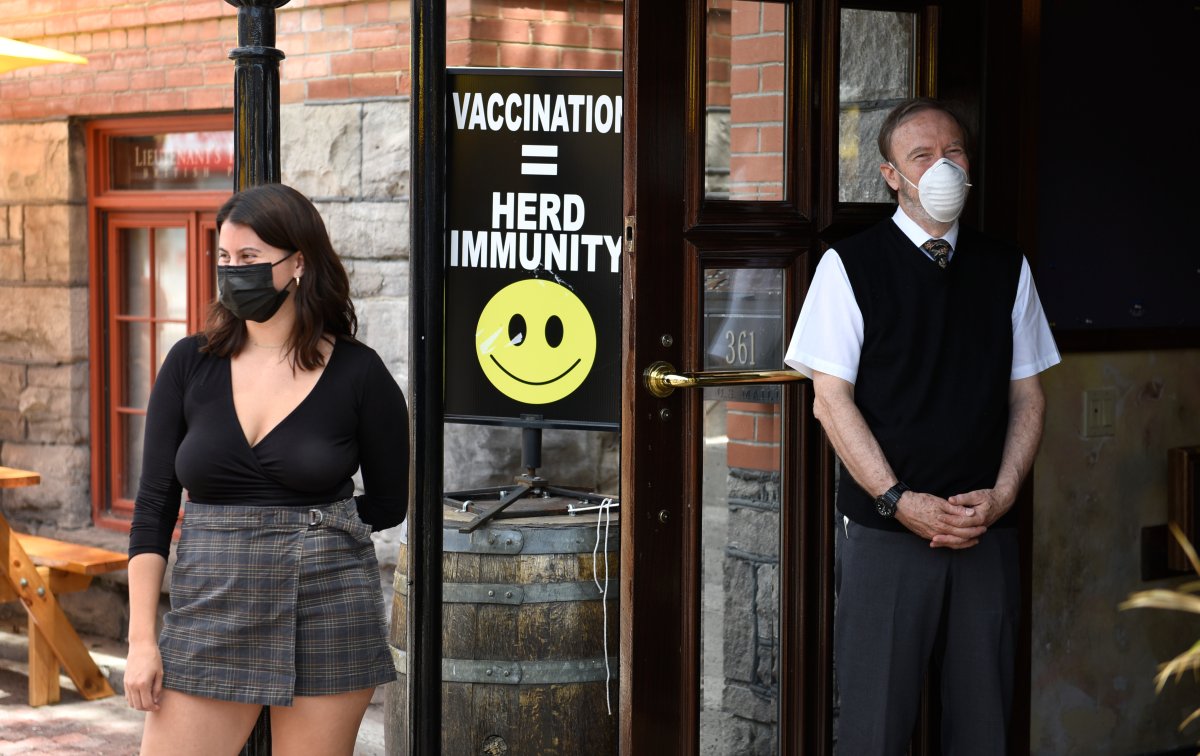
point(150, 57)
point(717, 53)
point(170, 56)
point(754, 435)
point(142, 57)
point(756, 83)
point(340, 50)
point(533, 34)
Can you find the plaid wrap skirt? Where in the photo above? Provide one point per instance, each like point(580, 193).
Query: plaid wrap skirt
point(268, 603)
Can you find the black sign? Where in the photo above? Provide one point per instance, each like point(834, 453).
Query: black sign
point(533, 248)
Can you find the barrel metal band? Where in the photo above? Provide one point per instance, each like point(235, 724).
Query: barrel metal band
point(516, 672)
point(532, 593)
point(483, 541)
point(570, 540)
point(524, 672)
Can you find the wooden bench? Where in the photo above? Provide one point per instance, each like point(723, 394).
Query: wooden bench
point(60, 567)
point(34, 570)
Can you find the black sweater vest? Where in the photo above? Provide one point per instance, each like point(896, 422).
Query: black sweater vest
point(933, 376)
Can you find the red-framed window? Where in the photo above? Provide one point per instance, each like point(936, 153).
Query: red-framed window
point(154, 185)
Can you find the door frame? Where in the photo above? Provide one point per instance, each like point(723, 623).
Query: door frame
point(197, 210)
point(660, 634)
point(659, 461)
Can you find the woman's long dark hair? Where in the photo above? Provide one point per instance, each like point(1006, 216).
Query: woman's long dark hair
point(285, 218)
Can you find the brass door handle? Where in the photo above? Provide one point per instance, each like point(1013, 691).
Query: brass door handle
point(661, 379)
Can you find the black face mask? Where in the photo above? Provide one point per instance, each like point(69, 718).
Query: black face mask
point(248, 291)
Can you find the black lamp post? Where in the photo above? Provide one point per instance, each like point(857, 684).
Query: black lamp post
point(256, 94)
point(256, 155)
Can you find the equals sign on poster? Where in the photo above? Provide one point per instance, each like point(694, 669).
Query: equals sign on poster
point(539, 151)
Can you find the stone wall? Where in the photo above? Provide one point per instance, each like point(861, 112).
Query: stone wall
point(869, 85)
point(351, 159)
point(750, 565)
point(44, 320)
point(751, 693)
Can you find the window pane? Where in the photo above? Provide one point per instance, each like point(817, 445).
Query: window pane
point(743, 319)
point(210, 262)
point(878, 70)
point(740, 532)
point(133, 428)
point(135, 363)
point(170, 262)
point(746, 101)
point(167, 334)
point(740, 599)
point(187, 161)
point(134, 254)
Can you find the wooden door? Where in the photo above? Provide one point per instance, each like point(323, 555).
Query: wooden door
point(722, 488)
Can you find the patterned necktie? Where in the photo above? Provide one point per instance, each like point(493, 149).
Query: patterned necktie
point(940, 249)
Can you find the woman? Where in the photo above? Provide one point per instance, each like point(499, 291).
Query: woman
point(263, 418)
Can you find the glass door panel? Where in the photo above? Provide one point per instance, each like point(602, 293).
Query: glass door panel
point(148, 312)
point(170, 247)
point(742, 484)
point(134, 246)
point(746, 101)
point(878, 69)
point(202, 272)
point(165, 336)
point(135, 355)
point(133, 430)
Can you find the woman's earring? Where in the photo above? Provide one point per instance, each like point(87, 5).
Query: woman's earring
point(297, 282)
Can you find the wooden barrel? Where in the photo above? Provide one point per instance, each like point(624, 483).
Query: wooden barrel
point(523, 642)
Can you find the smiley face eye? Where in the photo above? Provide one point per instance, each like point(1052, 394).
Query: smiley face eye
point(554, 331)
point(516, 329)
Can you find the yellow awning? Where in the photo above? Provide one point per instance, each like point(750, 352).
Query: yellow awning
point(14, 54)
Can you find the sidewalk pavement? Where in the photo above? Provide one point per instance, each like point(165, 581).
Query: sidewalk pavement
point(105, 727)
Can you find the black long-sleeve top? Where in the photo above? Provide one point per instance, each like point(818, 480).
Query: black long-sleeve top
point(354, 416)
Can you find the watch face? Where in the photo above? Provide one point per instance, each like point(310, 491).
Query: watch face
point(884, 507)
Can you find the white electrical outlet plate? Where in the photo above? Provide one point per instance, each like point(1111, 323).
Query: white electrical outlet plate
point(1099, 412)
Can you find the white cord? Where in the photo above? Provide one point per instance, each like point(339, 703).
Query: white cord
point(605, 511)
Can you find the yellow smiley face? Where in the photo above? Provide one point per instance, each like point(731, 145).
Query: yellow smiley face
point(535, 341)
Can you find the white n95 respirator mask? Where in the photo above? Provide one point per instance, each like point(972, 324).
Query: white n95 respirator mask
point(942, 190)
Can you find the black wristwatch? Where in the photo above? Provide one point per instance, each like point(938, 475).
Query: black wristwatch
point(885, 503)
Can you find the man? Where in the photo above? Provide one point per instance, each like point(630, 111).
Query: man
point(924, 341)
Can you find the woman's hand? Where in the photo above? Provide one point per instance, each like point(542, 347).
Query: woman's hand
point(143, 676)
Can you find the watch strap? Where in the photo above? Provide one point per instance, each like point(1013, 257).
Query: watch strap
point(886, 502)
